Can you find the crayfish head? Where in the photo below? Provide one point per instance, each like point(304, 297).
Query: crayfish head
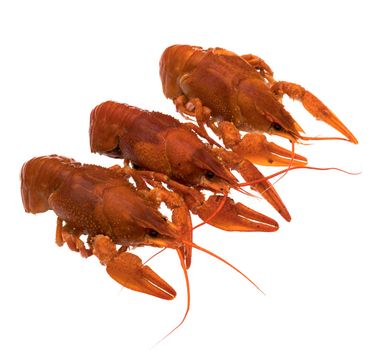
point(133, 221)
point(192, 162)
point(213, 183)
point(214, 175)
point(290, 133)
point(161, 240)
point(261, 111)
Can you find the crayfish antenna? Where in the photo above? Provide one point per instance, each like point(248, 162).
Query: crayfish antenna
point(249, 183)
point(246, 193)
point(324, 138)
point(194, 245)
point(290, 167)
point(183, 265)
point(154, 255)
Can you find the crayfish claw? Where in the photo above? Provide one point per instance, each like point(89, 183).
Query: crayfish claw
point(128, 270)
point(314, 106)
point(261, 184)
point(231, 216)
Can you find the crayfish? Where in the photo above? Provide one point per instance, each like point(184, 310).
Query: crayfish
point(175, 163)
point(167, 150)
point(232, 93)
point(103, 205)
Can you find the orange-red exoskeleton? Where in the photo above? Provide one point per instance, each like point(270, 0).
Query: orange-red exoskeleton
point(234, 93)
point(172, 152)
point(102, 204)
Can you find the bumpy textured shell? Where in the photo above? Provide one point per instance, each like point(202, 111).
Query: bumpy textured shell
point(89, 198)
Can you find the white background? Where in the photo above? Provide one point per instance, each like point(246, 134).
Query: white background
point(325, 274)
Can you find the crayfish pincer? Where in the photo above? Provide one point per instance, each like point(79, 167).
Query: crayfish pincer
point(103, 205)
point(232, 93)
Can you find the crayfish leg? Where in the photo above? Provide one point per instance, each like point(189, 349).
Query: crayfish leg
point(314, 106)
point(70, 236)
point(264, 187)
point(180, 103)
point(260, 183)
point(260, 65)
point(58, 233)
point(194, 108)
point(180, 217)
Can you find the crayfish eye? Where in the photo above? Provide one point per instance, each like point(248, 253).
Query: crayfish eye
point(277, 126)
point(209, 175)
point(153, 234)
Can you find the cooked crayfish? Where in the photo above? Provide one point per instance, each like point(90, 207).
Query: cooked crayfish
point(102, 204)
point(164, 149)
point(240, 94)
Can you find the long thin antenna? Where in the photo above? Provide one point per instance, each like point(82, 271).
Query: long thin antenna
point(182, 261)
point(319, 138)
point(194, 245)
point(154, 255)
point(249, 183)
